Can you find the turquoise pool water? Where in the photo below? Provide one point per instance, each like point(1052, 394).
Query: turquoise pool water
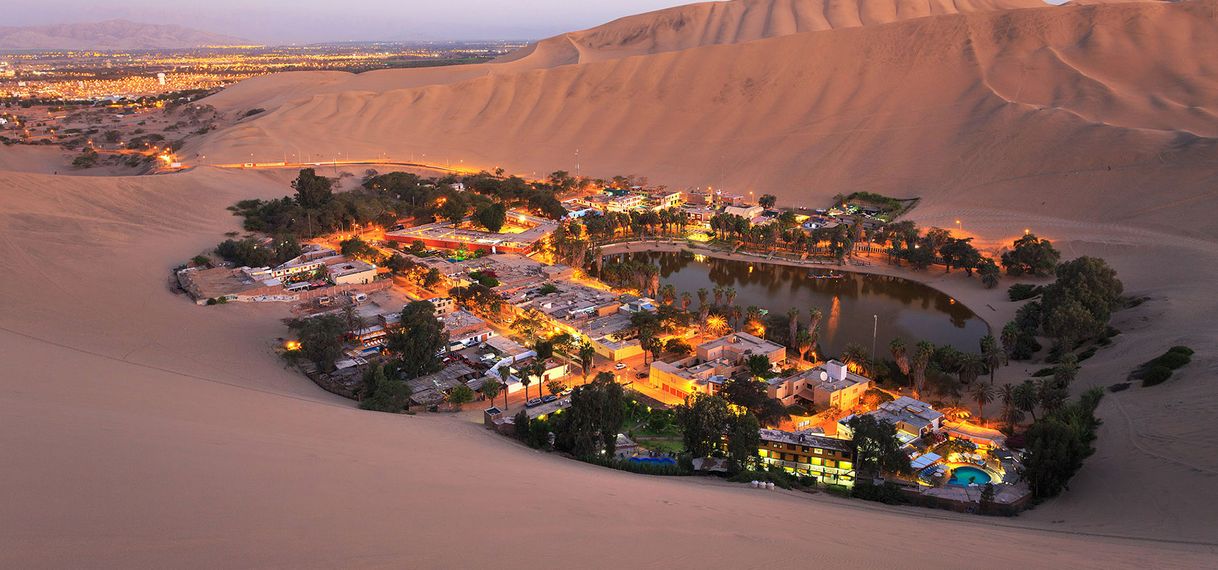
point(965, 475)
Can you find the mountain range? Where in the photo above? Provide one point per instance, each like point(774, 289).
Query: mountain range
point(110, 35)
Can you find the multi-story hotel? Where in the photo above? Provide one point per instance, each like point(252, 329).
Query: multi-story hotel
point(829, 459)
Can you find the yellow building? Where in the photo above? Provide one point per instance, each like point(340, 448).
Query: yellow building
point(829, 459)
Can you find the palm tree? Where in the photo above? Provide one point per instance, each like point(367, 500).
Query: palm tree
point(686, 301)
point(792, 325)
point(857, 355)
point(803, 342)
point(900, 354)
point(730, 294)
point(971, 366)
point(702, 294)
point(587, 357)
point(526, 380)
point(668, 293)
point(982, 394)
point(1025, 398)
point(752, 320)
point(1007, 394)
point(921, 358)
point(814, 318)
point(992, 354)
point(505, 372)
point(718, 295)
point(736, 316)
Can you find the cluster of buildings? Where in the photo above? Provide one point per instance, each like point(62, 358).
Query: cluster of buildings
point(551, 291)
point(522, 234)
point(316, 268)
point(712, 364)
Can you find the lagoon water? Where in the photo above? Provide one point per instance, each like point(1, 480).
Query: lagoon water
point(905, 308)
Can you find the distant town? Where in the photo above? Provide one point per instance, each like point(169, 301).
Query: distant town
point(100, 76)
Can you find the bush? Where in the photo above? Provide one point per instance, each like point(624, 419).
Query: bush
point(1156, 375)
point(1043, 372)
point(778, 477)
point(1084, 355)
point(1172, 360)
point(641, 468)
point(1181, 350)
point(888, 493)
point(1024, 291)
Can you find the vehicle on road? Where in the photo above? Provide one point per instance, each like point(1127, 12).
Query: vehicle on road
point(548, 399)
point(533, 403)
point(641, 375)
point(619, 366)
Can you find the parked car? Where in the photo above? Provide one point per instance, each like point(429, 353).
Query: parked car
point(533, 403)
point(565, 392)
point(641, 375)
point(619, 366)
point(550, 398)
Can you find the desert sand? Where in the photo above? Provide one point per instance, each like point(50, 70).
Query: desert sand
point(140, 430)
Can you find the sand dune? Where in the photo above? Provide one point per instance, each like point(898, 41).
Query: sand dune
point(683, 27)
point(140, 430)
point(936, 107)
point(713, 23)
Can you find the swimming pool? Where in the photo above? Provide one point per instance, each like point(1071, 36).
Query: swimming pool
point(965, 475)
point(654, 460)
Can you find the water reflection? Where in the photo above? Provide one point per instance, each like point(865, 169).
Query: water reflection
point(907, 309)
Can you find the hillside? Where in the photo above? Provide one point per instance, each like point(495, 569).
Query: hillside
point(969, 109)
point(673, 29)
point(110, 35)
point(713, 23)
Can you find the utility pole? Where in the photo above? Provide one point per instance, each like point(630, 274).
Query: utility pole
point(875, 328)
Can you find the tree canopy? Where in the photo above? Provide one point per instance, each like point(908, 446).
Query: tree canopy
point(420, 340)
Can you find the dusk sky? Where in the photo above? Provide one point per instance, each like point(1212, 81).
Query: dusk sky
point(283, 21)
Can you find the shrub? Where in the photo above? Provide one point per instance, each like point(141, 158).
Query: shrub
point(1043, 372)
point(1181, 350)
point(888, 493)
point(638, 467)
point(778, 477)
point(1156, 375)
point(1024, 291)
point(1172, 360)
point(1084, 355)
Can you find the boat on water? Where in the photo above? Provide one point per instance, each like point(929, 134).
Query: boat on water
point(815, 275)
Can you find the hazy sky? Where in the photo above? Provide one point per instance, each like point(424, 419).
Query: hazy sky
point(282, 21)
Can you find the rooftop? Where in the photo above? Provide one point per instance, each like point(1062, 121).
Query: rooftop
point(807, 438)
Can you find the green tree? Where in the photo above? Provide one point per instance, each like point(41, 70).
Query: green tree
point(555, 387)
point(992, 355)
point(459, 395)
point(921, 359)
point(983, 394)
point(759, 366)
point(382, 393)
point(587, 358)
point(1031, 256)
point(876, 445)
point(312, 191)
point(490, 388)
point(703, 420)
point(591, 425)
point(491, 216)
point(321, 339)
point(743, 440)
point(990, 273)
point(767, 201)
point(420, 340)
